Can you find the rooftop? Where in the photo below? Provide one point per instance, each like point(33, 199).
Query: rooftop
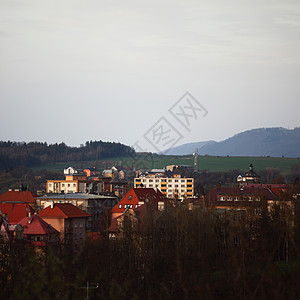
point(63, 210)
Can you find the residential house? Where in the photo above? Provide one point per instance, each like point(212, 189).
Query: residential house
point(39, 232)
point(18, 197)
point(248, 177)
point(91, 172)
point(137, 220)
point(92, 204)
point(136, 197)
point(73, 183)
point(71, 171)
point(14, 212)
point(69, 220)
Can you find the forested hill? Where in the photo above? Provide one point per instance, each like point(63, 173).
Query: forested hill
point(13, 154)
point(275, 142)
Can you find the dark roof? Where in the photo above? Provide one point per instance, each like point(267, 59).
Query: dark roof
point(235, 191)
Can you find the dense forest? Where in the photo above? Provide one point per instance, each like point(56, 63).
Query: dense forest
point(14, 154)
point(199, 254)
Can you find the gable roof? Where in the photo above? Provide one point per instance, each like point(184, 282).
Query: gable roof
point(211, 197)
point(15, 212)
point(20, 196)
point(63, 210)
point(147, 211)
point(135, 195)
point(37, 226)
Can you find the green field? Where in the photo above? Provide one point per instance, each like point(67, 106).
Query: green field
point(211, 163)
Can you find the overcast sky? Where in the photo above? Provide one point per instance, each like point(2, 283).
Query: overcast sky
point(72, 71)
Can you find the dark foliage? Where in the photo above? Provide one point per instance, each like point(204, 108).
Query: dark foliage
point(185, 255)
point(13, 154)
point(25, 178)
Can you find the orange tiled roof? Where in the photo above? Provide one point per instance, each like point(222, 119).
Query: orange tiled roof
point(63, 210)
point(13, 196)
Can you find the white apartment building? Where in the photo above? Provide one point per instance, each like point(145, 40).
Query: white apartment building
point(170, 187)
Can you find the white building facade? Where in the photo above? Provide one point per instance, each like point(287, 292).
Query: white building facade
point(174, 187)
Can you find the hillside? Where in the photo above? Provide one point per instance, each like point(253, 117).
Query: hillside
point(275, 142)
point(187, 149)
point(15, 154)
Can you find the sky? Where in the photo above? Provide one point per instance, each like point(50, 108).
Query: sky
point(73, 71)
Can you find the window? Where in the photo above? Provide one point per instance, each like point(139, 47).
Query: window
point(250, 198)
point(138, 180)
point(222, 198)
point(63, 184)
point(236, 198)
point(150, 180)
point(120, 206)
point(156, 180)
point(182, 180)
point(68, 184)
point(176, 185)
point(229, 198)
point(169, 185)
point(74, 184)
point(189, 180)
point(164, 180)
point(176, 180)
point(76, 225)
point(169, 180)
point(129, 197)
point(81, 224)
point(236, 241)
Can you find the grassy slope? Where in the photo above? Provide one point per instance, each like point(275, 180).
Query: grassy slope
point(212, 163)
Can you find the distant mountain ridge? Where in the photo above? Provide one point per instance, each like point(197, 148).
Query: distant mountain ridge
point(275, 141)
point(187, 149)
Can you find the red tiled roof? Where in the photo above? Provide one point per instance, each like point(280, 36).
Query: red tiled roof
point(15, 212)
point(138, 194)
point(36, 226)
point(113, 226)
point(63, 210)
point(141, 213)
point(13, 196)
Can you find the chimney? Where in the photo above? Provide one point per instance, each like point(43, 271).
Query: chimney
point(29, 217)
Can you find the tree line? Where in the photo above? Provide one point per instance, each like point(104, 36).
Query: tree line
point(14, 154)
point(199, 254)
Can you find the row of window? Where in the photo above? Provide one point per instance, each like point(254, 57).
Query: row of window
point(128, 206)
point(244, 198)
point(163, 180)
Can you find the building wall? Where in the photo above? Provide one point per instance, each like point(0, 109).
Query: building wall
point(58, 224)
point(170, 187)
